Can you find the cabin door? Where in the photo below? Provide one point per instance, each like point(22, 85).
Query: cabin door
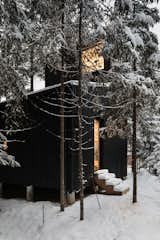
point(96, 145)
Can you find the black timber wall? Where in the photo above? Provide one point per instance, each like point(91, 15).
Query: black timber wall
point(114, 155)
point(38, 149)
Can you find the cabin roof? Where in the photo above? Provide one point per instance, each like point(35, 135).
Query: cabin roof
point(48, 88)
point(72, 82)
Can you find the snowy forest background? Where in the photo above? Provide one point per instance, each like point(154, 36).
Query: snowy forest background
point(39, 33)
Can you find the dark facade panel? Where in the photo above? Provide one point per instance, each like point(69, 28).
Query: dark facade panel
point(39, 154)
point(114, 155)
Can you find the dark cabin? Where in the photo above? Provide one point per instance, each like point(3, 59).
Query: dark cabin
point(38, 147)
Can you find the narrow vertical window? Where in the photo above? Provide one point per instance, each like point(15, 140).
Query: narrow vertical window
point(96, 145)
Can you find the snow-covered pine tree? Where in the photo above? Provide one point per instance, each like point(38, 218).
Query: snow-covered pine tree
point(12, 33)
point(148, 139)
point(26, 30)
point(6, 159)
point(133, 52)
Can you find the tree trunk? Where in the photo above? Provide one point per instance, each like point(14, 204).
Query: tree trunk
point(62, 184)
point(32, 62)
point(134, 145)
point(80, 114)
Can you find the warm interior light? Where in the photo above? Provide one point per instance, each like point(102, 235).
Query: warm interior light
point(96, 145)
point(92, 58)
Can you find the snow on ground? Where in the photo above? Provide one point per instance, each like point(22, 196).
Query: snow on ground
point(115, 219)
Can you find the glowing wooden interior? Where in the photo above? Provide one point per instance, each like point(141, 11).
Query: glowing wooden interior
point(96, 145)
point(92, 58)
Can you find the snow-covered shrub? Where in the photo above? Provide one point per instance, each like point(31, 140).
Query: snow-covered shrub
point(5, 158)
